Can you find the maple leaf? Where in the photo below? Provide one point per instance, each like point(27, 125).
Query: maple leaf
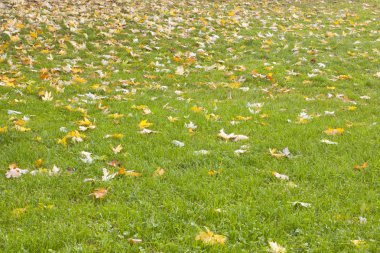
point(129, 173)
point(38, 163)
point(209, 238)
point(99, 193)
point(144, 124)
point(334, 131)
point(276, 248)
point(280, 176)
point(191, 126)
point(86, 157)
point(54, 171)
point(85, 124)
point(14, 171)
point(159, 172)
point(172, 119)
point(147, 131)
point(232, 136)
point(197, 108)
point(45, 96)
point(117, 149)
point(280, 154)
point(180, 71)
point(361, 167)
point(107, 176)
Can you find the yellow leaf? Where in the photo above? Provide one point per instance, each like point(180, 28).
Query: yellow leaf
point(21, 128)
point(172, 119)
point(129, 173)
point(344, 77)
point(242, 118)
point(235, 85)
point(84, 122)
point(358, 243)
point(158, 172)
point(33, 35)
point(116, 116)
point(334, 131)
point(3, 129)
point(273, 152)
point(144, 124)
point(17, 212)
point(63, 141)
point(210, 238)
point(79, 79)
point(38, 163)
point(132, 173)
point(196, 108)
point(114, 136)
point(214, 172)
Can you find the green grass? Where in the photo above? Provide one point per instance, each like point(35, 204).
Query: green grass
point(243, 201)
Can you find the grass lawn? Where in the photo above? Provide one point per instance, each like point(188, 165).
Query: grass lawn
point(190, 126)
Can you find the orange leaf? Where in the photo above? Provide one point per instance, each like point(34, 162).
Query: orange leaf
point(99, 193)
point(360, 167)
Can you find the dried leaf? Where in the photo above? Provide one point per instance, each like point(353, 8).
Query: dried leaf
point(361, 167)
point(209, 238)
point(99, 193)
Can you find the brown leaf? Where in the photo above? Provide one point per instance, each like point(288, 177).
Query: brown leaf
point(99, 193)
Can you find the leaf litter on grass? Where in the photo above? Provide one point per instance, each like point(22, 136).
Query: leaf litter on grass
point(149, 84)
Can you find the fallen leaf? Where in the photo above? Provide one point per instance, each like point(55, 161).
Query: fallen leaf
point(329, 142)
point(144, 124)
point(134, 240)
point(99, 193)
point(117, 149)
point(14, 171)
point(158, 172)
point(209, 238)
point(178, 143)
point(358, 243)
point(276, 248)
point(232, 136)
point(301, 204)
point(334, 131)
point(280, 176)
point(361, 167)
point(18, 212)
point(107, 176)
